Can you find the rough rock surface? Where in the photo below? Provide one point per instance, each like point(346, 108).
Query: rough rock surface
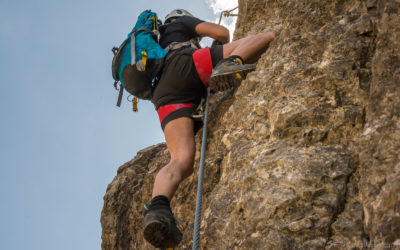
point(305, 153)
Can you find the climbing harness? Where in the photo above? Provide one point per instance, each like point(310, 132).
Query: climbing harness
point(199, 199)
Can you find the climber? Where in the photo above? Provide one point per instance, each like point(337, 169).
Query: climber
point(184, 81)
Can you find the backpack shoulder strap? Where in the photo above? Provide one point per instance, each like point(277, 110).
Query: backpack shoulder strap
point(133, 48)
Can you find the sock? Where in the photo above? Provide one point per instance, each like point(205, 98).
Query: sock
point(159, 200)
point(234, 57)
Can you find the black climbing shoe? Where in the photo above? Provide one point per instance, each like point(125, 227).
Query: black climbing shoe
point(160, 228)
point(229, 73)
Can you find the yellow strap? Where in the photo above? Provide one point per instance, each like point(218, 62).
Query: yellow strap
point(154, 22)
point(134, 104)
point(144, 58)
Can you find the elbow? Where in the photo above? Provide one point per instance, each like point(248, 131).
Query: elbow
point(224, 36)
point(216, 31)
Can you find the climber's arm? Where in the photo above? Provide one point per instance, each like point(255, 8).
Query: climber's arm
point(218, 32)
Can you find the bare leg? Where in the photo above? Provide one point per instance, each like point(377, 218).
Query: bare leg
point(249, 48)
point(179, 136)
point(159, 224)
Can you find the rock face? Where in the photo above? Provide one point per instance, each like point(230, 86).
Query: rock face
point(305, 153)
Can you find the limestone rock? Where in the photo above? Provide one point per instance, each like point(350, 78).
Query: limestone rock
point(304, 154)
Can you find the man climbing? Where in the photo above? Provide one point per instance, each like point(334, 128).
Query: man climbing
point(183, 82)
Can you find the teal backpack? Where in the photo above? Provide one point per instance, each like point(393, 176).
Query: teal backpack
point(139, 59)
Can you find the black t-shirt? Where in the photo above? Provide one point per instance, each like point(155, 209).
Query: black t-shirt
point(180, 30)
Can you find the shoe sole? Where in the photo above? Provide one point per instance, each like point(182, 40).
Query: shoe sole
point(160, 236)
point(155, 233)
point(225, 81)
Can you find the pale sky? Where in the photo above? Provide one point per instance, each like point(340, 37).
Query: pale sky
point(62, 138)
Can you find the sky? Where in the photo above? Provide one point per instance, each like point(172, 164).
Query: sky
point(62, 138)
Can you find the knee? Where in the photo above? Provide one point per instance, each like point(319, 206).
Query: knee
point(184, 164)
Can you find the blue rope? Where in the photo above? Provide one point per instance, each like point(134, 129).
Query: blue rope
point(197, 218)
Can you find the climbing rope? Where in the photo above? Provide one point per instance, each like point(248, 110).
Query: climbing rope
point(199, 199)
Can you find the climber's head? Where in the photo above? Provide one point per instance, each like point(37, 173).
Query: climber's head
point(175, 14)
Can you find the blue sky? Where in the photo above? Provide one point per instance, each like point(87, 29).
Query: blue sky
point(62, 138)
